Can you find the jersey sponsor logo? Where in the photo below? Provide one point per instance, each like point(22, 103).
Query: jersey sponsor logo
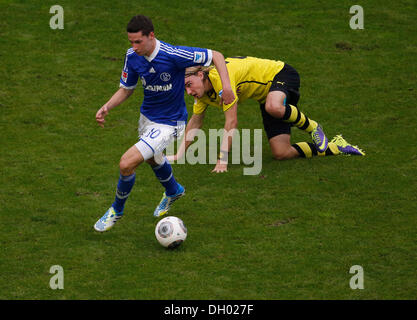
point(165, 76)
point(157, 88)
point(199, 57)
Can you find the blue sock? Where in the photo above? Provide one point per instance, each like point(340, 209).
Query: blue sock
point(124, 186)
point(164, 173)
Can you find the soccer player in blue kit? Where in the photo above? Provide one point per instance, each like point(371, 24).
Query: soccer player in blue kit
point(160, 67)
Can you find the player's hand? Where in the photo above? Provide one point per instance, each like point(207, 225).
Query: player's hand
point(227, 96)
point(220, 167)
point(100, 115)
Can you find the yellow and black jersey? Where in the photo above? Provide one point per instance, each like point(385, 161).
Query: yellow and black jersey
point(250, 78)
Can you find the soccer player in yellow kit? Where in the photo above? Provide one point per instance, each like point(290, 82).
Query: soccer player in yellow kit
point(275, 85)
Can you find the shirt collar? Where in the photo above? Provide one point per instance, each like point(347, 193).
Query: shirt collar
point(212, 94)
point(154, 53)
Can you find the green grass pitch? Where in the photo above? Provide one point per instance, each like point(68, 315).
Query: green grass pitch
point(291, 232)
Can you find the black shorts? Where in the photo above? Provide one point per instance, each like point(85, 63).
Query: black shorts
point(287, 81)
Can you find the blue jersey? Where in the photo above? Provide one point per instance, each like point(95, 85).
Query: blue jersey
point(162, 77)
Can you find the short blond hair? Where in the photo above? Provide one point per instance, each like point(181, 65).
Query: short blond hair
point(194, 70)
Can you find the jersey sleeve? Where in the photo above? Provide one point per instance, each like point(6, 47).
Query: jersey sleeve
point(185, 57)
point(228, 106)
point(199, 107)
point(129, 77)
point(232, 76)
point(217, 85)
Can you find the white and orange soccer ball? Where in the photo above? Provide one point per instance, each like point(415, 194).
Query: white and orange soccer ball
point(170, 232)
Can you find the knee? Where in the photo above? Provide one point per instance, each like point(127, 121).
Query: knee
point(275, 109)
point(281, 155)
point(126, 168)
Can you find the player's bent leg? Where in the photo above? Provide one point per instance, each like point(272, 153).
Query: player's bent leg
point(128, 163)
point(277, 107)
point(130, 160)
point(281, 147)
point(275, 104)
point(300, 120)
point(154, 139)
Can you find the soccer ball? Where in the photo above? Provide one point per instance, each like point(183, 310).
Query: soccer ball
point(170, 232)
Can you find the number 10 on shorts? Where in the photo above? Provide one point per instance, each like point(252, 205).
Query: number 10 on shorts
point(153, 133)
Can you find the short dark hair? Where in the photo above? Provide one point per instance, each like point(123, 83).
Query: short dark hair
point(140, 23)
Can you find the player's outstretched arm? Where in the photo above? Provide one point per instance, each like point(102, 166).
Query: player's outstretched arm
point(230, 126)
point(196, 122)
point(118, 98)
point(227, 96)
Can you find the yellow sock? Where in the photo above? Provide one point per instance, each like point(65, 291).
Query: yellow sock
point(297, 118)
